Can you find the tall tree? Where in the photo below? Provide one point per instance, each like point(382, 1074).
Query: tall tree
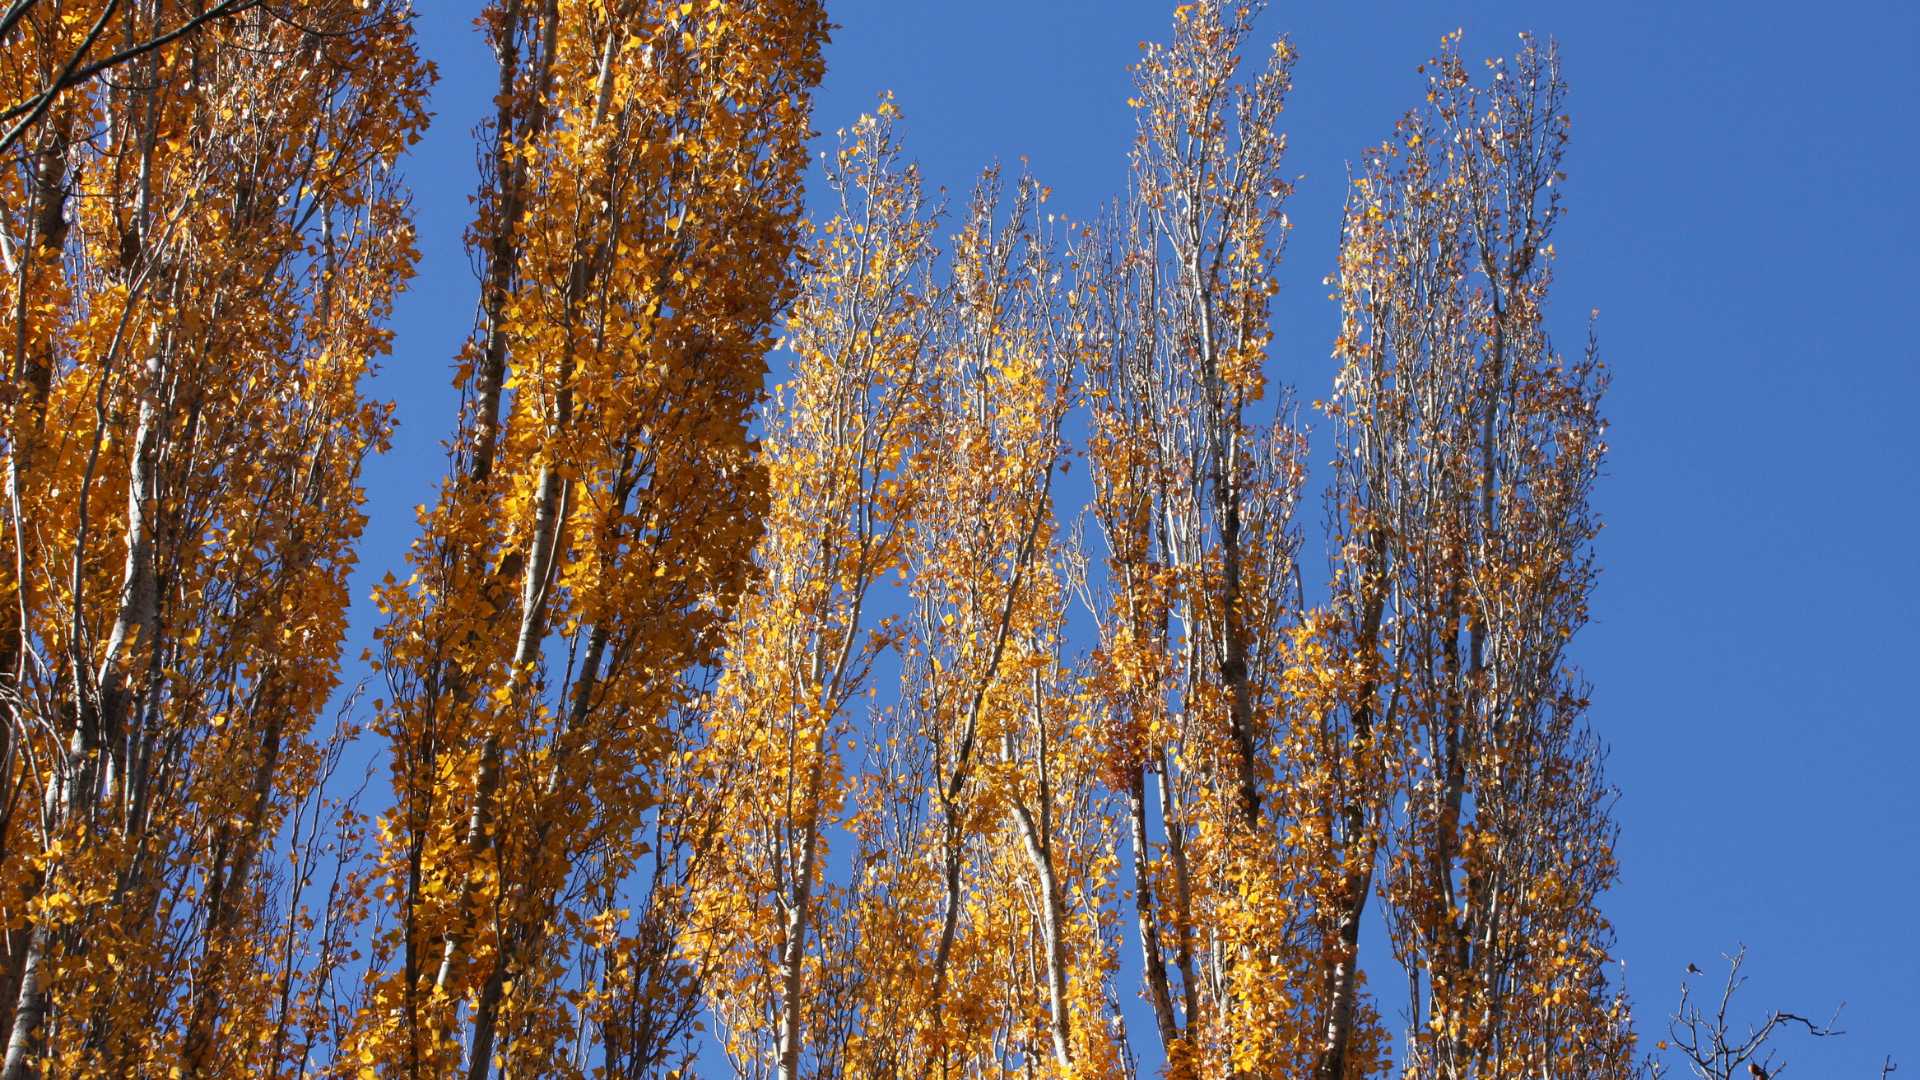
point(841, 446)
point(980, 852)
point(1232, 864)
point(1467, 451)
point(638, 206)
point(200, 254)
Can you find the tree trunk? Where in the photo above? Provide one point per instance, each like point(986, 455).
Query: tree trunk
point(1159, 994)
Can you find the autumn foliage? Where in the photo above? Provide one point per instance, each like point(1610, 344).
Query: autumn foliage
point(766, 689)
point(201, 254)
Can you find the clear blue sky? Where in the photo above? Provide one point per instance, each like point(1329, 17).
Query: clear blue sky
point(1741, 212)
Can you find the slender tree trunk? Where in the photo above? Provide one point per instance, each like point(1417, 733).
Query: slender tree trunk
point(97, 721)
point(33, 369)
point(1342, 979)
point(32, 1008)
point(793, 950)
point(1035, 837)
point(549, 522)
point(503, 254)
point(1159, 994)
point(1357, 884)
point(1182, 893)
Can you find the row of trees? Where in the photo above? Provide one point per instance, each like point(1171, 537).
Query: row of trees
point(1267, 766)
point(644, 780)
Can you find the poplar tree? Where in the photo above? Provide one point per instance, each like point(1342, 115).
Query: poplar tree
point(980, 857)
point(202, 235)
point(1468, 447)
point(842, 453)
point(1196, 473)
point(639, 200)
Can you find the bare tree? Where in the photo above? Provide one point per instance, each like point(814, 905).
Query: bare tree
point(1713, 1047)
